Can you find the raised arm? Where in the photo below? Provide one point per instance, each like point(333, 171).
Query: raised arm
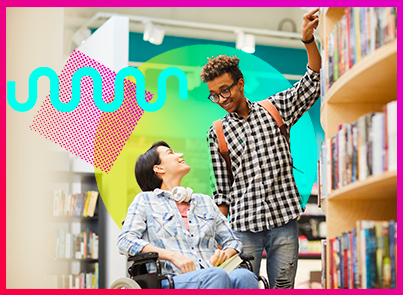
point(309, 24)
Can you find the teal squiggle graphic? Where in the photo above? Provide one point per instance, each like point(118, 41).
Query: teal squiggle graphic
point(33, 89)
point(162, 88)
point(140, 87)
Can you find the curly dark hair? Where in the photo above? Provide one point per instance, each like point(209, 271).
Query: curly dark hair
point(216, 66)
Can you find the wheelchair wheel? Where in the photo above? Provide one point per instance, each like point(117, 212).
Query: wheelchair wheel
point(124, 283)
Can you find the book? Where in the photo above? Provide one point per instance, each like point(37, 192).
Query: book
point(232, 263)
point(392, 135)
point(83, 204)
point(87, 203)
point(392, 253)
point(378, 143)
point(324, 263)
point(57, 199)
point(92, 203)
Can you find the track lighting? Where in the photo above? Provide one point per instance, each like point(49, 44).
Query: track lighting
point(157, 35)
point(80, 36)
point(245, 42)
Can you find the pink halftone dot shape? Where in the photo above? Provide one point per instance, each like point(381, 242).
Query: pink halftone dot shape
point(94, 136)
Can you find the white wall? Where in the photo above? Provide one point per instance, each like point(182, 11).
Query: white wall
point(109, 45)
point(34, 39)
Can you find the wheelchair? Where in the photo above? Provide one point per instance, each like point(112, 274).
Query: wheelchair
point(141, 279)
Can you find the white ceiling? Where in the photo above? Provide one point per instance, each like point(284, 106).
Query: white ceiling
point(268, 18)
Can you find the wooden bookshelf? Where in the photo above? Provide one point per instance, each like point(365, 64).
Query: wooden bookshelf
point(365, 87)
point(382, 187)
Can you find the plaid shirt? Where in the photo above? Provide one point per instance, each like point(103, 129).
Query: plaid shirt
point(153, 218)
point(264, 194)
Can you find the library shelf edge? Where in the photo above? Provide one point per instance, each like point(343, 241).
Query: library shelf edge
point(365, 87)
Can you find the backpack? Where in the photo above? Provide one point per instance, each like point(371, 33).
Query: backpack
point(222, 144)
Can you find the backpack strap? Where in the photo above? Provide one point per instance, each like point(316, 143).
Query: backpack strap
point(271, 109)
point(222, 144)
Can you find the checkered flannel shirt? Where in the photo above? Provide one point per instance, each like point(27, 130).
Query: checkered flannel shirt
point(264, 194)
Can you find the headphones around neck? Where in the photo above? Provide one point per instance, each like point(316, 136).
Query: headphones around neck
point(180, 194)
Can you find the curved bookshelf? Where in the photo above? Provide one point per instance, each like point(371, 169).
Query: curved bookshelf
point(373, 79)
point(366, 87)
point(383, 186)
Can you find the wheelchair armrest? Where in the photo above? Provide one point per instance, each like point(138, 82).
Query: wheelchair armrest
point(246, 257)
point(141, 258)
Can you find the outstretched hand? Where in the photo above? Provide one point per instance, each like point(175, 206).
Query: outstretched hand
point(309, 24)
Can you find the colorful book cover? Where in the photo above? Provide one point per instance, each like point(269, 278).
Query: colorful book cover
point(83, 204)
point(346, 260)
point(336, 53)
point(353, 46)
point(363, 30)
point(348, 37)
point(392, 247)
point(357, 34)
point(354, 165)
point(336, 263)
point(334, 163)
point(370, 244)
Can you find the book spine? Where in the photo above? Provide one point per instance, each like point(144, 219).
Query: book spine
point(392, 254)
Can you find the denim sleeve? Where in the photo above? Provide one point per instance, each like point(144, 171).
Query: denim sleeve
point(129, 240)
point(224, 234)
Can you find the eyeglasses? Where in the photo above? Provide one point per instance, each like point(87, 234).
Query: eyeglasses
point(226, 93)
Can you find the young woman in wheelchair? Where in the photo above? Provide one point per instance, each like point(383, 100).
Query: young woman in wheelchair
point(182, 227)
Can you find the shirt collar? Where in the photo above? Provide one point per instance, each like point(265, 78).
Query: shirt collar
point(234, 115)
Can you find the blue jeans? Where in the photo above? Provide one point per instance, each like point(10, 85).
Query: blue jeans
point(214, 278)
point(281, 246)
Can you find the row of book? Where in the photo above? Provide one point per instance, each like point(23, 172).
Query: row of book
point(83, 280)
point(82, 204)
point(365, 147)
point(307, 246)
point(66, 245)
point(360, 32)
point(364, 257)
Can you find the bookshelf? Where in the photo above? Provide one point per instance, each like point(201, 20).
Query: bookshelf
point(365, 87)
point(311, 228)
point(73, 177)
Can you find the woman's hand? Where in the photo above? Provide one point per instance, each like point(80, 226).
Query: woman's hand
point(185, 264)
point(218, 257)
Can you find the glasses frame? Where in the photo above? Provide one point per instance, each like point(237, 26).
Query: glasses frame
point(219, 94)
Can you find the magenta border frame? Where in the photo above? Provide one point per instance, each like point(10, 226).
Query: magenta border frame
point(159, 3)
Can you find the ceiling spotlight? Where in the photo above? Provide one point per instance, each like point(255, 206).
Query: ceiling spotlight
point(249, 44)
point(80, 36)
point(245, 42)
point(148, 27)
point(157, 35)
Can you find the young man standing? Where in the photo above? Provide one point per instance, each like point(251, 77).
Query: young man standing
point(262, 201)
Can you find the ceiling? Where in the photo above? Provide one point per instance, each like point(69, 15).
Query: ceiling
point(287, 19)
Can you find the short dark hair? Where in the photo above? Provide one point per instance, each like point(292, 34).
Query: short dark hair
point(219, 65)
point(145, 176)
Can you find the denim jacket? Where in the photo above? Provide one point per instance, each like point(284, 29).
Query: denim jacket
point(153, 218)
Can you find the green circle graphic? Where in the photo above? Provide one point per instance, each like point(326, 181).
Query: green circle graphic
point(183, 124)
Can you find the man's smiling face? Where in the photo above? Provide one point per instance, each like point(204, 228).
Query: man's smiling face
point(234, 101)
